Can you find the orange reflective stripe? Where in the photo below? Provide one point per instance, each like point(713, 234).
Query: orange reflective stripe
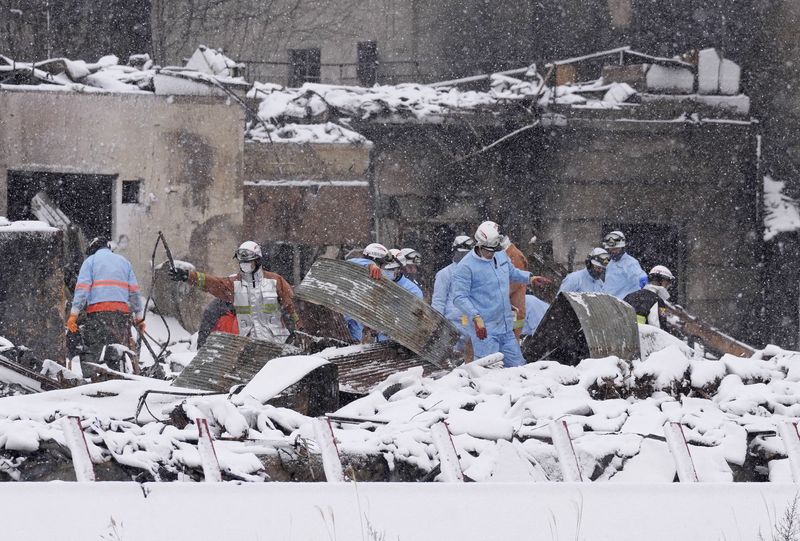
point(83, 286)
point(108, 306)
point(115, 283)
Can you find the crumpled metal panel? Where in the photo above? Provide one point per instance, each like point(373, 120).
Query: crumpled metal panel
point(364, 367)
point(381, 305)
point(227, 360)
point(585, 325)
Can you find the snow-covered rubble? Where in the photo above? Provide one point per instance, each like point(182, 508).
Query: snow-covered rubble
point(500, 420)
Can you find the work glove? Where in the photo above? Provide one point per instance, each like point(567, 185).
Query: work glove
point(541, 281)
point(375, 272)
point(140, 325)
point(72, 323)
point(480, 328)
point(179, 275)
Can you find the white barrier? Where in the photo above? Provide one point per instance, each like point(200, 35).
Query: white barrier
point(420, 511)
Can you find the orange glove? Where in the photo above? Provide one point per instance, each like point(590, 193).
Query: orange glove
point(375, 272)
point(480, 328)
point(140, 325)
point(72, 323)
point(541, 281)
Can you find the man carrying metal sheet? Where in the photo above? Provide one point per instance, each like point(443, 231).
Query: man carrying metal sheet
point(481, 283)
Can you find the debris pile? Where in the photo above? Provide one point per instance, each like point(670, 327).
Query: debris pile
point(501, 420)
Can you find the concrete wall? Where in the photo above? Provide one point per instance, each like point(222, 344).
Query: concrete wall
point(186, 151)
point(568, 185)
point(32, 290)
point(699, 181)
point(314, 196)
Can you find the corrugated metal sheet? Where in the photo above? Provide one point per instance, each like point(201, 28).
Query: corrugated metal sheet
point(321, 321)
point(585, 325)
point(382, 305)
point(227, 360)
point(360, 371)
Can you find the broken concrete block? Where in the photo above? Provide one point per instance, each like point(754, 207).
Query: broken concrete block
point(708, 71)
point(729, 76)
point(669, 80)
point(33, 303)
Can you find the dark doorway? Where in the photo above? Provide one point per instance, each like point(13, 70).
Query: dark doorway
point(656, 244)
point(85, 199)
point(367, 67)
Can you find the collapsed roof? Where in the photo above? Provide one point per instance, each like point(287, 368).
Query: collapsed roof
point(703, 85)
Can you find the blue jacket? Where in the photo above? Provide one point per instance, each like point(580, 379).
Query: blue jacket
point(408, 285)
point(535, 309)
point(355, 327)
point(480, 287)
point(623, 277)
point(442, 300)
point(582, 282)
point(106, 277)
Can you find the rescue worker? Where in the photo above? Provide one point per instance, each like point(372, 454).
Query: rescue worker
point(262, 300)
point(650, 301)
point(108, 290)
point(410, 261)
point(374, 257)
point(442, 300)
point(535, 311)
point(517, 291)
point(393, 271)
point(481, 291)
point(590, 279)
point(624, 274)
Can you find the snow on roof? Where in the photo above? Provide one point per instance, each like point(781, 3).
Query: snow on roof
point(781, 212)
point(107, 75)
point(7, 226)
point(499, 418)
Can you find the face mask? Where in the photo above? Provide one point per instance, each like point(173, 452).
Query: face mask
point(390, 274)
point(247, 267)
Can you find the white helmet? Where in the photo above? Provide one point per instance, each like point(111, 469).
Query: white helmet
point(409, 256)
point(615, 239)
point(378, 253)
point(598, 257)
point(488, 236)
point(660, 272)
point(248, 251)
point(463, 243)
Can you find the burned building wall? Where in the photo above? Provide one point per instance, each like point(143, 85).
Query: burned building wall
point(686, 194)
point(32, 300)
point(174, 164)
point(306, 200)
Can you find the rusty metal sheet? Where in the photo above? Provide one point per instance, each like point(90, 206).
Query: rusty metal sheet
point(364, 367)
point(321, 321)
point(688, 325)
point(585, 325)
point(227, 360)
point(381, 305)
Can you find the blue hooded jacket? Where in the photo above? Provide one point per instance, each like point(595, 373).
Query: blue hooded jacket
point(442, 300)
point(624, 276)
point(481, 287)
point(582, 282)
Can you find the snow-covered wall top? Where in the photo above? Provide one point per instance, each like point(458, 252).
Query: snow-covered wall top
point(781, 212)
point(7, 226)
